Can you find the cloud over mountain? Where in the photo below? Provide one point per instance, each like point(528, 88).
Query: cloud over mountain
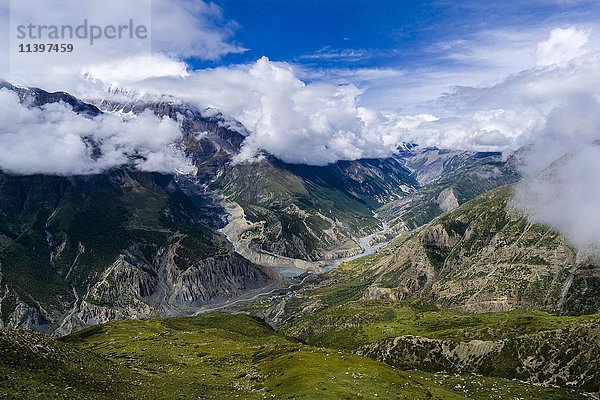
point(320, 122)
point(54, 140)
point(309, 123)
point(560, 185)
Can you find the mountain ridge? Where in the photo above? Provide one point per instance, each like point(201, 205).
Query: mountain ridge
point(295, 218)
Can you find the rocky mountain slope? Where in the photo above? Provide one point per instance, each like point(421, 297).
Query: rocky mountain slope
point(83, 250)
point(123, 244)
point(295, 212)
point(446, 180)
point(291, 214)
point(487, 256)
point(80, 251)
point(484, 256)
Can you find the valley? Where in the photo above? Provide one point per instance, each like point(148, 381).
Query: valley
point(300, 200)
point(407, 277)
point(164, 244)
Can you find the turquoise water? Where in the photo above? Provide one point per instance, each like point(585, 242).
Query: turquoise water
point(291, 272)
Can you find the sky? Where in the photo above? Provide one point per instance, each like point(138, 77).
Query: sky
point(315, 82)
point(318, 81)
point(401, 54)
point(385, 33)
point(393, 47)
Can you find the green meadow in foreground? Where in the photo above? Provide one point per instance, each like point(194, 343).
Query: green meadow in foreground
point(218, 356)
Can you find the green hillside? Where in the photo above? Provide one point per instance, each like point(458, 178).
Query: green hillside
point(218, 356)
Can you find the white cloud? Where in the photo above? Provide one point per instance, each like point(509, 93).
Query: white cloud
point(344, 76)
point(54, 140)
point(329, 54)
point(310, 123)
point(322, 122)
point(493, 130)
point(560, 187)
point(191, 28)
point(562, 45)
point(510, 114)
point(135, 69)
point(482, 58)
point(176, 30)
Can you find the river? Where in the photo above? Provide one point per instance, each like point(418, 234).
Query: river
point(290, 272)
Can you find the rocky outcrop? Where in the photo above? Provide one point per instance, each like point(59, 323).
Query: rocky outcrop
point(565, 357)
point(132, 288)
point(239, 232)
point(23, 315)
point(485, 256)
point(213, 279)
point(447, 200)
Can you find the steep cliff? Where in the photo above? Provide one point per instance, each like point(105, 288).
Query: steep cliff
point(80, 251)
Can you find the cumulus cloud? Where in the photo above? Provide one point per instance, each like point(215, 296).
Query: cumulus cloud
point(478, 130)
point(510, 114)
point(55, 140)
point(320, 122)
point(175, 31)
point(191, 28)
point(309, 123)
point(563, 45)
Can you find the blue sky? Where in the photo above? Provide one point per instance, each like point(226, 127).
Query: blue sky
point(402, 53)
point(384, 33)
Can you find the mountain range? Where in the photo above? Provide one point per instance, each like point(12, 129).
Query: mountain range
point(399, 277)
point(127, 243)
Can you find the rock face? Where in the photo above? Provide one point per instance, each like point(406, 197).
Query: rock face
point(447, 200)
point(564, 357)
point(240, 232)
point(127, 291)
point(80, 251)
point(484, 256)
point(430, 165)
